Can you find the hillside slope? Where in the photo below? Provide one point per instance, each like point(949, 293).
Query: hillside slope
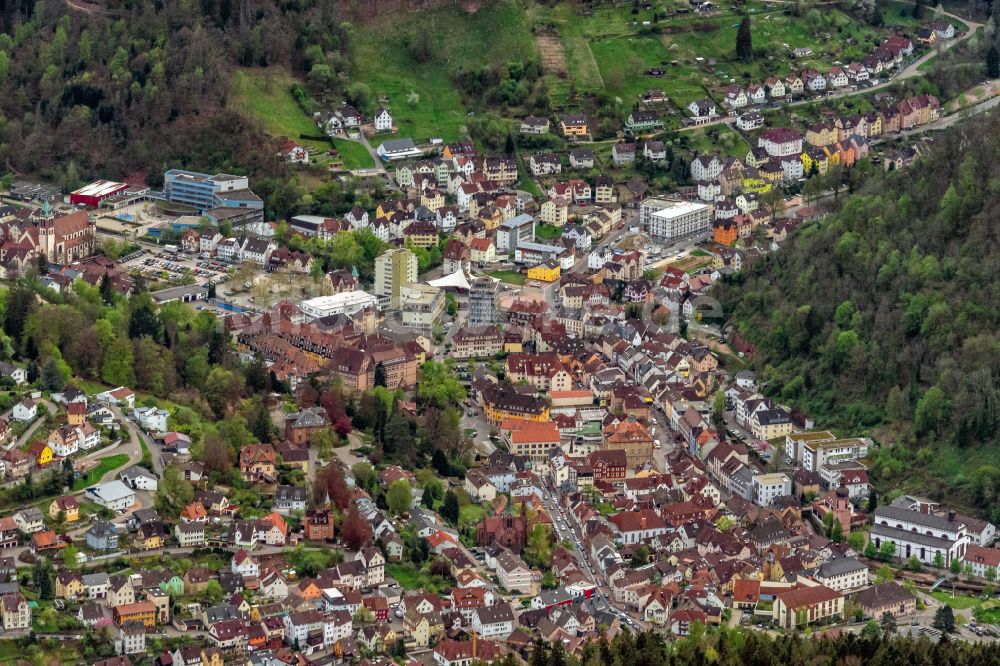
point(883, 318)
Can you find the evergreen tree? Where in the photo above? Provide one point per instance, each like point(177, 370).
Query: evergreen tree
point(744, 42)
point(993, 62)
point(380, 378)
point(450, 509)
point(52, 379)
point(944, 619)
point(42, 578)
point(918, 9)
point(107, 291)
point(257, 377)
point(43, 264)
point(21, 303)
point(260, 421)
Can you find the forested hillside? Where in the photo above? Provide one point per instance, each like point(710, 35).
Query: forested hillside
point(127, 87)
point(883, 317)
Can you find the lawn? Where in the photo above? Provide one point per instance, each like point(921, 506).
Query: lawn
point(103, 467)
point(470, 514)
point(720, 139)
point(959, 602)
point(988, 612)
point(407, 575)
point(547, 231)
point(423, 98)
point(510, 277)
point(266, 94)
point(355, 155)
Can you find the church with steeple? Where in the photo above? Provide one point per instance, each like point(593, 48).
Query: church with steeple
point(62, 239)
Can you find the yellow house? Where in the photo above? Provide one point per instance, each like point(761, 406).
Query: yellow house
point(69, 585)
point(150, 541)
point(555, 212)
point(547, 272)
point(432, 199)
point(418, 627)
point(814, 156)
point(41, 453)
point(69, 507)
point(832, 155)
point(422, 234)
point(822, 133)
point(482, 251)
point(211, 657)
point(574, 125)
point(491, 216)
point(758, 185)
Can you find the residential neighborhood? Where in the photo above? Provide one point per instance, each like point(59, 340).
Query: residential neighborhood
point(477, 383)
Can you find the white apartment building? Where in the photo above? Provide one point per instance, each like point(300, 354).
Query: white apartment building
point(680, 220)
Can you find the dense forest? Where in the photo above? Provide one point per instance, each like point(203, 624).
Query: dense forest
point(750, 648)
point(883, 317)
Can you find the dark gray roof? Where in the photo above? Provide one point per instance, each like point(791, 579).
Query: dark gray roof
point(913, 537)
point(839, 567)
point(928, 520)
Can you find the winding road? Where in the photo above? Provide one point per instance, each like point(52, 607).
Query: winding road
point(911, 70)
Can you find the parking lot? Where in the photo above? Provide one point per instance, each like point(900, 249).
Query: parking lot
point(176, 270)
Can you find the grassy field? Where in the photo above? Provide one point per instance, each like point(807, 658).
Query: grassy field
point(355, 155)
point(510, 277)
point(699, 52)
point(266, 94)
point(407, 575)
point(720, 139)
point(494, 34)
point(470, 514)
point(103, 467)
point(960, 602)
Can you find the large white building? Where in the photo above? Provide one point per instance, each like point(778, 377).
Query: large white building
point(768, 486)
point(919, 534)
point(680, 220)
point(422, 305)
point(843, 573)
point(113, 495)
point(817, 453)
point(347, 303)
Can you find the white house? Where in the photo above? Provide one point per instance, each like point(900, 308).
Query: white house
point(843, 573)
point(781, 142)
point(382, 120)
point(26, 410)
point(702, 108)
point(245, 564)
point(139, 478)
point(750, 120)
point(113, 495)
point(706, 167)
point(119, 396)
point(17, 375)
point(151, 419)
point(495, 621)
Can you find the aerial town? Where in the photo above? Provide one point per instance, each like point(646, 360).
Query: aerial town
point(422, 394)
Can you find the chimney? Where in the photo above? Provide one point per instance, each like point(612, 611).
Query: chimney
point(951, 516)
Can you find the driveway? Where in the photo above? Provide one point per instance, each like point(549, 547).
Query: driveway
point(23, 440)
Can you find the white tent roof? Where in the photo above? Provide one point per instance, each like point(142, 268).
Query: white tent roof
point(456, 280)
